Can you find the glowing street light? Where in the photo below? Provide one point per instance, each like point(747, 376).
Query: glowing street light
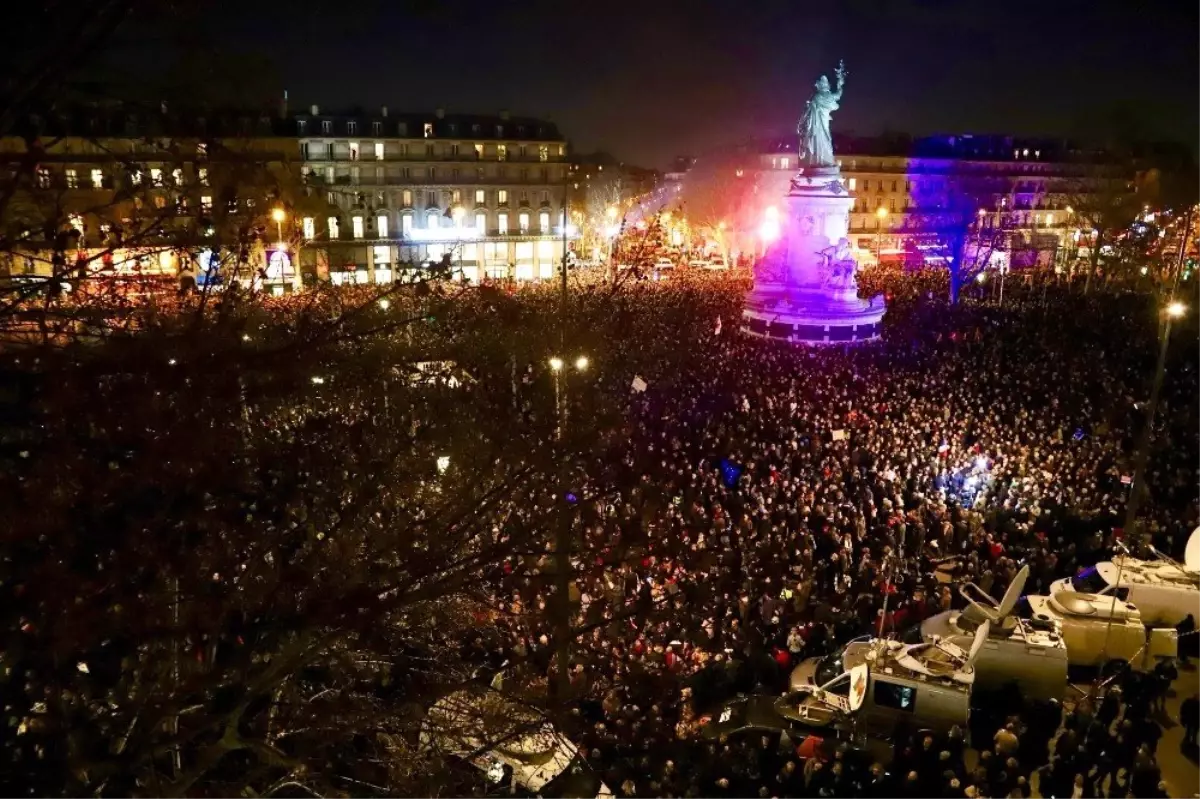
point(556, 364)
point(581, 363)
point(612, 212)
point(880, 214)
point(769, 230)
point(278, 214)
point(1176, 309)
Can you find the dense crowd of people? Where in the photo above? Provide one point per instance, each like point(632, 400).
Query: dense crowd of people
point(771, 503)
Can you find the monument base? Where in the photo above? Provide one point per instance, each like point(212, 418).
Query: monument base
point(811, 316)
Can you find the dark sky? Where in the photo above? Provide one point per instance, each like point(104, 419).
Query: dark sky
point(652, 79)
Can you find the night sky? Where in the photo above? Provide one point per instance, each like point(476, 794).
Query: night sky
point(654, 79)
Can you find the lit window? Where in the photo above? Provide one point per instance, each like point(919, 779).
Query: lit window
point(309, 227)
point(76, 222)
point(333, 227)
point(301, 126)
point(543, 152)
point(481, 222)
point(853, 181)
point(431, 221)
point(43, 177)
point(353, 151)
point(97, 178)
point(501, 152)
point(72, 179)
point(502, 197)
point(351, 128)
point(406, 198)
point(356, 227)
point(381, 226)
point(544, 221)
point(206, 203)
point(523, 222)
point(135, 177)
point(202, 174)
point(378, 151)
point(428, 130)
point(562, 150)
point(406, 224)
point(784, 162)
point(326, 126)
point(479, 151)
point(155, 176)
point(480, 197)
point(176, 177)
point(202, 150)
point(160, 202)
point(502, 223)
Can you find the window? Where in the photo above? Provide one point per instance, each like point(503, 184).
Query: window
point(202, 150)
point(543, 152)
point(155, 176)
point(376, 128)
point(326, 126)
point(481, 222)
point(333, 227)
point(378, 150)
point(544, 221)
point(893, 204)
point(501, 152)
point(523, 222)
point(502, 223)
point(202, 176)
point(524, 174)
point(480, 197)
point(428, 130)
point(331, 198)
point(353, 151)
point(356, 227)
point(406, 198)
point(853, 181)
point(479, 151)
point(784, 162)
point(351, 128)
point(301, 126)
point(402, 129)
point(206, 203)
point(381, 226)
point(160, 202)
point(433, 173)
point(72, 179)
point(908, 185)
point(895, 696)
point(521, 151)
point(43, 177)
point(76, 222)
point(545, 198)
point(406, 225)
point(562, 150)
point(454, 150)
point(329, 174)
point(355, 174)
point(502, 197)
point(499, 131)
point(176, 177)
point(456, 196)
point(893, 185)
point(430, 199)
point(431, 221)
point(97, 178)
point(309, 227)
point(135, 177)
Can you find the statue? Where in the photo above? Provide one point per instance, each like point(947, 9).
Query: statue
point(839, 266)
point(816, 142)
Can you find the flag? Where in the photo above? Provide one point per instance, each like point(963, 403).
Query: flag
point(717, 332)
point(1126, 479)
point(639, 385)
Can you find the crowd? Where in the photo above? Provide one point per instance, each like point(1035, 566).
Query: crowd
point(766, 503)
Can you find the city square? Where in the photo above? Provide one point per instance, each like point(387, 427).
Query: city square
point(422, 450)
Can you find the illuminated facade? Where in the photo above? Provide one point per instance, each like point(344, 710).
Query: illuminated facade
point(105, 191)
point(391, 192)
point(907, 192)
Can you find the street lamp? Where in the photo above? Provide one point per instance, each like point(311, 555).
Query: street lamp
point(1176, 309)
point(880, 214)
point(556, 366)
point(279, 215)
point(581, 363)
point(612, 212)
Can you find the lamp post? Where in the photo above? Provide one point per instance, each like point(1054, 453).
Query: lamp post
point(881, 214)
point(279, 215)
point(562, 538)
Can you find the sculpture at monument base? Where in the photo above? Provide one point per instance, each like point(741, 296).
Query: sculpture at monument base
point(805, 287)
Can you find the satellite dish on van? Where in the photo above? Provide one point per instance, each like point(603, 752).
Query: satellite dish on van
point(1191, 553)
point(983, 608)
point(858, 686)
point(981, 635)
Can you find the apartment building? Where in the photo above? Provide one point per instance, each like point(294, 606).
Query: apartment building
point(400, 190)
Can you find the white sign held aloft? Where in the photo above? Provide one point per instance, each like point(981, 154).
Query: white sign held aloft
point(639, 385)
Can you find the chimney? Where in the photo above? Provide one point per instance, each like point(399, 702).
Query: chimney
point(441, 113)
point(315, 110)
point(283, 106)
point(383, 111)
point(504, 114)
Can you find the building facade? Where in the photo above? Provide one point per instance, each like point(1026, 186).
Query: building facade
point(1023, 194)
point(391, 192)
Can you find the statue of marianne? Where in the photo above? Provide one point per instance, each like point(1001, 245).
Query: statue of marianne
point(816, 142)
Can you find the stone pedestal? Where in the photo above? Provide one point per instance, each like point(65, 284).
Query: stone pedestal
point(798, 295)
